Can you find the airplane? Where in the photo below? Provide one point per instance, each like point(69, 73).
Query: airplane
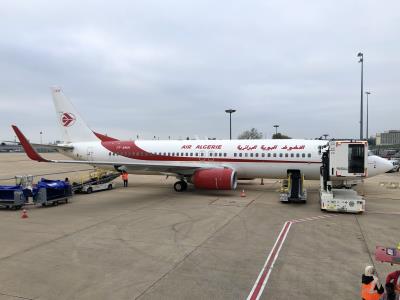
point(207, 164)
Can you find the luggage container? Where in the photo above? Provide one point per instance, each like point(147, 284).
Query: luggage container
point(51, 192)
point(12, 197)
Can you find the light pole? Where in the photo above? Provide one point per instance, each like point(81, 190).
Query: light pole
point(41, 133)
point(276, 129)
point(361, 56)
point(230, 112)
point(367, 93)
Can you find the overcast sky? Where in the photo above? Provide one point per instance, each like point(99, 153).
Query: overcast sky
point(170, 68)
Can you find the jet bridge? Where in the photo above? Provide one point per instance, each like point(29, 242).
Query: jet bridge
point(344, 164)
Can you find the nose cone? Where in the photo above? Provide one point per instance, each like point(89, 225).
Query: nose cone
point(378, 165)
point(387, 165)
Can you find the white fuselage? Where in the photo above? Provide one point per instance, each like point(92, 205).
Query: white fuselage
point(249, 158)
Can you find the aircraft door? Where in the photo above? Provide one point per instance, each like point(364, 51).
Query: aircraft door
point(89, 153)
point(202, 155)
point(210, 156)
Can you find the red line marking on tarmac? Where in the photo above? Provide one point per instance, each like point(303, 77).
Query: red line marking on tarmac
point(266, 270)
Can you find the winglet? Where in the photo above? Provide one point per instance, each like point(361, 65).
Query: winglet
point(30, 151)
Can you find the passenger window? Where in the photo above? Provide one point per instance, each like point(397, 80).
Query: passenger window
point(197, 154)
point(240, 154)
point(220, 155)
point(246, 154)
point(263, 154)
point(201, 154)
point(274, 155)
point(169, 154)
point(173, 153)
point(303, 155)
point(280, 155)
point(224, 154)
point(269, 154)
point(286, 154)
point(251, 154)
point(256, 154)
point(291, 154)
point(191, 154)
point(182, 154)
point(234, 154)
point(297, 154)
point(165, 153)
point(309, 155)
point(187, 154)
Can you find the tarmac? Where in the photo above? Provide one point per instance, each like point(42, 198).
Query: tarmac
point(149, 242)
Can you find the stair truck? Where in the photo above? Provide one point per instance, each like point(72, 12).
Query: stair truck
point(292, 188)
point(344, 164)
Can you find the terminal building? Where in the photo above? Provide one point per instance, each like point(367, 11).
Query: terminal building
point(390, 137)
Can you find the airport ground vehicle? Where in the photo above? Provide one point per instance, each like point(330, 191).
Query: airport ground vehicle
point(388, 254)
point(206, 164)
point(98, 180)
point(97, 187)
point(344, 164)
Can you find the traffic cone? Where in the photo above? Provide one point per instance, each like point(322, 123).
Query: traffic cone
point(24, 214)
point(242, 194)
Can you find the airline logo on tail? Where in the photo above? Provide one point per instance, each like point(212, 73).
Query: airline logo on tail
point(67, 119)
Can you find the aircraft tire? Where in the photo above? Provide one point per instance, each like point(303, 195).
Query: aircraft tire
point(180, 186)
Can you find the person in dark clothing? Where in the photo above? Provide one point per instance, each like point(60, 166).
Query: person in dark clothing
point(389, 293)
point(394, 278)
point(371, 289)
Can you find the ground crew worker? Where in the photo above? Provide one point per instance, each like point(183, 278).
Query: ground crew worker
point(124, 176)
point(394, 278)
point(371, 289)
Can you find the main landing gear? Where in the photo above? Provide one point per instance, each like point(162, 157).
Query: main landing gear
point(180, 186)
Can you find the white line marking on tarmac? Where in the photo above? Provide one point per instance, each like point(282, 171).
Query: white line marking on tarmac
point(265, 272)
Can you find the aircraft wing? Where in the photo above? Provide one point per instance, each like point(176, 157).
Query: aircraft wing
point(52, 147)
point(181, 168)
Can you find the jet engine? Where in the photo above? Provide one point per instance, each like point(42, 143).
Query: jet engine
point(215, 179)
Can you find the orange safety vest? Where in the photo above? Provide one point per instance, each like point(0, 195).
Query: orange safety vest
point(368, 292)
point(124, 176)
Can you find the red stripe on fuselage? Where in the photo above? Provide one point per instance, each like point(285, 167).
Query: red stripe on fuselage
point(130, 150)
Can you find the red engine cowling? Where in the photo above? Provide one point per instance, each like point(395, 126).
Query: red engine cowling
point(215, 179)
